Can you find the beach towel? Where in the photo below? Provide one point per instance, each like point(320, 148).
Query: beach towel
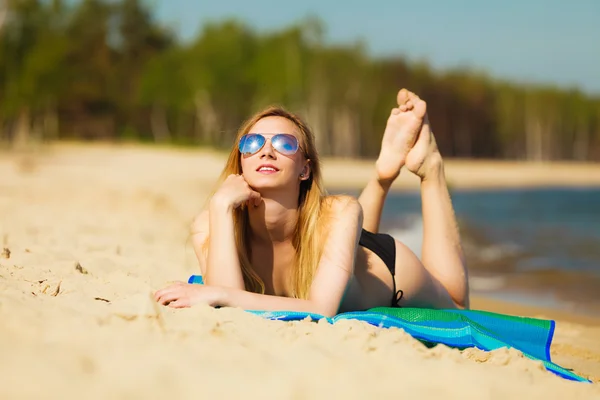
point(454, 328)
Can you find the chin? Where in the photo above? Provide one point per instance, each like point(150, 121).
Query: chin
point(267, 182)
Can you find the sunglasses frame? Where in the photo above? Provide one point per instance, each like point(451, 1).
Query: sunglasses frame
point(265, 142)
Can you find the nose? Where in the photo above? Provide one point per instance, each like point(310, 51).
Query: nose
point(267, 150)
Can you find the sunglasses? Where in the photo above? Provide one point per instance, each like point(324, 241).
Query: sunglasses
point(283, 143)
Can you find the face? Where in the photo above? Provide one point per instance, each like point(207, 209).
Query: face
point(269, 168)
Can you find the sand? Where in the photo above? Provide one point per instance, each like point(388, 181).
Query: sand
point(89, 232)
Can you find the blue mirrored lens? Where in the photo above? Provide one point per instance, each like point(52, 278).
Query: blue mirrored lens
point(251, 143)
point(285, 144)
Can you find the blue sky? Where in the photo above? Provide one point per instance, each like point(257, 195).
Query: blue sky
point(546, 41)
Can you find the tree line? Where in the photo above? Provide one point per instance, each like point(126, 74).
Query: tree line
point(107, 70)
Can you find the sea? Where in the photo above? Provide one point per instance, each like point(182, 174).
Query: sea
point(537, 247)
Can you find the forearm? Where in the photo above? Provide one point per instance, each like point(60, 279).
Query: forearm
point(442, 252)
point(254, 301)
point(372, 200)
point(223, 265)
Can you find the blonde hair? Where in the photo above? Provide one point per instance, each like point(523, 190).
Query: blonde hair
point(307, 234)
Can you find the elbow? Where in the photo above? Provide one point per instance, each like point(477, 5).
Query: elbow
point(199, 223)
point(325, 313)
point(196, 225)
point(324, 310)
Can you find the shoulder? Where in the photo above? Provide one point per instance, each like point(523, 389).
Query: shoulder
point(336, 203)
point(200, 224)
point(199, 230)
point(342, 207)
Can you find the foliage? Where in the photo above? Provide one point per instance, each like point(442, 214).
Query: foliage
point(100, 69)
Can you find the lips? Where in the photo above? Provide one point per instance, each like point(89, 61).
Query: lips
point(267, 169)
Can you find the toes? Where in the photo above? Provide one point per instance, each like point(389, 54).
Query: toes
point(419, 106)
point(402, 97)
point(413, 97)
point(403, 108)
point(395, 111)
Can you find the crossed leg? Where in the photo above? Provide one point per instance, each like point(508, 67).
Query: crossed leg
point(440, 279)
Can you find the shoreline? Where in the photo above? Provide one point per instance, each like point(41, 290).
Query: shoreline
point(475, 175)
point(461, 174)
point(480, 301)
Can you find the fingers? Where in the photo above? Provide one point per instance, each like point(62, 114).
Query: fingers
point(180, 303)
point(177, 296)
point(233, 177)
point(167, 298)
point(237, 178)
point(255, 198)
point(239, 192)
point(168, 294)
point(173, 299)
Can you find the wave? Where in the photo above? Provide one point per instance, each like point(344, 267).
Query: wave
point(408, 230)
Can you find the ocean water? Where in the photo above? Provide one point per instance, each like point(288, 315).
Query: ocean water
point(534, 246)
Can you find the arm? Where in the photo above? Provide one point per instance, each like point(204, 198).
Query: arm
point(264, 302)
point(442, 253)
point(333, 272)
point(331, 279)
point(221, 266)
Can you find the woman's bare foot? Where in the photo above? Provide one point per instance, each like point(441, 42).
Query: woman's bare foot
point(401, 132)
point(424, 157)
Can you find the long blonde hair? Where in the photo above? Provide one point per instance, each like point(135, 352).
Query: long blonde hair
point(308, 232)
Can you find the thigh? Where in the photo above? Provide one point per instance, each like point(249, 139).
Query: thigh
point(419, 288)
point(372, 284)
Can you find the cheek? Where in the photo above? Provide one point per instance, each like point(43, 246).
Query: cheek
point(300, 162)
point(293, 166)
point(244, 164)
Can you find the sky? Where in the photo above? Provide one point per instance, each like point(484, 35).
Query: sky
point(542, 41)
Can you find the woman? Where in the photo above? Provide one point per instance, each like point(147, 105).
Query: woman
point(271, 239)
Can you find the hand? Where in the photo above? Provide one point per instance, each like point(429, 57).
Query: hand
point(235, 191)
point(182, 295)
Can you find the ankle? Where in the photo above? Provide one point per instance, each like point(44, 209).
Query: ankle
point(387, 170)
point(384, 183)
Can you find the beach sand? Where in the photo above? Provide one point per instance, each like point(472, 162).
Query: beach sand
point(87, 233)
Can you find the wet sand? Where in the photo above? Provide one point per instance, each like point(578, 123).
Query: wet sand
point(91, 231)
point(474, 174)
